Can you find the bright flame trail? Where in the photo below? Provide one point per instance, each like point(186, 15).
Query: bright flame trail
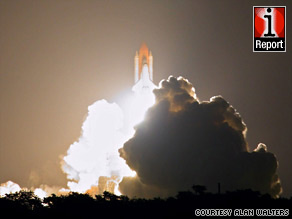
point(93, 164)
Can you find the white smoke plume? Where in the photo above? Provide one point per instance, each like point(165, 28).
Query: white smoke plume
point(40, 193)
point(11, 187)
point(93, 164)
point(8, 187)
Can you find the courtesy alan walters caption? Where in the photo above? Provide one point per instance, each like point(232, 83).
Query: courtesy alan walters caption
point(242, 212)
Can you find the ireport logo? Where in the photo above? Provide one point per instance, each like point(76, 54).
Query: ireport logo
point(269, 28)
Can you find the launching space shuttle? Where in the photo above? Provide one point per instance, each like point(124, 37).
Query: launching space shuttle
point(143, 68)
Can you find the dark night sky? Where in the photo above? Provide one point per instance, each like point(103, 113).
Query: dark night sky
point(58, 57)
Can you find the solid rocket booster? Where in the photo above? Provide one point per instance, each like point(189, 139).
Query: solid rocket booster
point(151, 66)
point(136, 61)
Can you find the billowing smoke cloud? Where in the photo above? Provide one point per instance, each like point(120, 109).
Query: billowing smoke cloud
point(180, 142)
point(8, 187)
point(183, 142)
point(92, 163)
point(96, 152)
point(11, 187)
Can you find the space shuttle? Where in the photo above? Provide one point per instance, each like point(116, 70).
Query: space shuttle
point(143, 71)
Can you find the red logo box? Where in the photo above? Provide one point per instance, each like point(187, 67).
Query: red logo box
point(269, 28)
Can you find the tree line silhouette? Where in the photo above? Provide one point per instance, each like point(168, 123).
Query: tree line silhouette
point(183, 205)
